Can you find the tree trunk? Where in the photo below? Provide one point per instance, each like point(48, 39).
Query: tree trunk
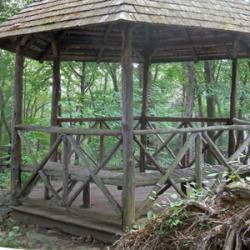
point(240, 134)
point(209, 80)
point(190, 90)
point(82, 89)
point(189, 97)
point(112, 69)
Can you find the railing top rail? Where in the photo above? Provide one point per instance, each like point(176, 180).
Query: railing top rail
point(193, 130)
point(69, 131)
point(149, 118)
point(241, 122)
point(108, 132)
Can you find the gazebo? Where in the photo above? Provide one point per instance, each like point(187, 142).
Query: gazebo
point(126, 32)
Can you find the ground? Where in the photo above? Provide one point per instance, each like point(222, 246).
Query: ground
point(17, 235)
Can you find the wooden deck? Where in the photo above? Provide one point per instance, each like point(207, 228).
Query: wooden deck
point(92, 198)
point(73, 221)
point(149, 178)
point(99, 221)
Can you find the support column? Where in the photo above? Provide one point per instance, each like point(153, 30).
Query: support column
point(56, 94)
point(233, 104)
point(128, 193)
point(17, 119)
point(55, 109)
point(144, 111)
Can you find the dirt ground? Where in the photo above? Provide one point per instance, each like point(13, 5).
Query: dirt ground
point(22, 236)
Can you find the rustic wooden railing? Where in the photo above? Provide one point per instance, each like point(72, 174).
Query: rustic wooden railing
point(150, 122)
point(197, 140)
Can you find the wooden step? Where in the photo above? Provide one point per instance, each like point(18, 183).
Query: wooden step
point(82, 224)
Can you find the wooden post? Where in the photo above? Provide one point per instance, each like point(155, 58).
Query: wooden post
point(184, 139)
point(128, 194)
point(233, 102)
point(56, 93)
point(198, 161)
point(145, 91)
point(55, 109)
point(101, 156)
point(86, 196)
point(17, 119)
point(65, 163)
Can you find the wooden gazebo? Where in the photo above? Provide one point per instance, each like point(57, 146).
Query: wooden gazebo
point(125, 31)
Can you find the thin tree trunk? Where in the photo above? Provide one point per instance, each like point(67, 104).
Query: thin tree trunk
point(112, 69)
point(190, 90)
point(240, 134)
point(189, 98)
point(82, 89)
point(209, 79)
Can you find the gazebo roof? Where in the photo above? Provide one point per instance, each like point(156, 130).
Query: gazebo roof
point(89, 30)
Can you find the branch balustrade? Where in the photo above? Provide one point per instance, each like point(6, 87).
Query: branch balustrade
point(164, 168)
point(151, 123)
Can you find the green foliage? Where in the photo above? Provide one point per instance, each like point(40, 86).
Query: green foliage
point(176, 208)
point(5, 179)
point(10, 238)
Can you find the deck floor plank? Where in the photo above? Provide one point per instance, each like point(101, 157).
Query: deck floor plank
point(149, 178)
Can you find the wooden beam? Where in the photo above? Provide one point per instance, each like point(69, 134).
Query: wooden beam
point(240, 149)
point(233, 104)
point(192, 49)
point(93, 175)
point(145, 92)
point(17, 119)
point(26, 189)
point(198, 162)
point(86, 200)
point(149, 118)
point(128, 192)
point(56, 94)
point(192, 130)
point(70, 131)
point(163, 180)
point(220, 157)
point(65, 163)
point(144, 111)
point(102, 145)
point(47, 183)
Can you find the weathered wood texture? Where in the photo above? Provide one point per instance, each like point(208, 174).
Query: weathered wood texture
point(17, 119)
point(65, 163)
point(211, 26)
point(144, 111)
point(107, 132)
point(128, 193)
point(114, 178)
point(198, 162)
point(34, 177)
point(149, 118)
point(48, 15)
point(56, 93)
point(82, 223)
point(233, 104)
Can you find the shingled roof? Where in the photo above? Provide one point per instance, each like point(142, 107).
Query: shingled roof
point(74, 20)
